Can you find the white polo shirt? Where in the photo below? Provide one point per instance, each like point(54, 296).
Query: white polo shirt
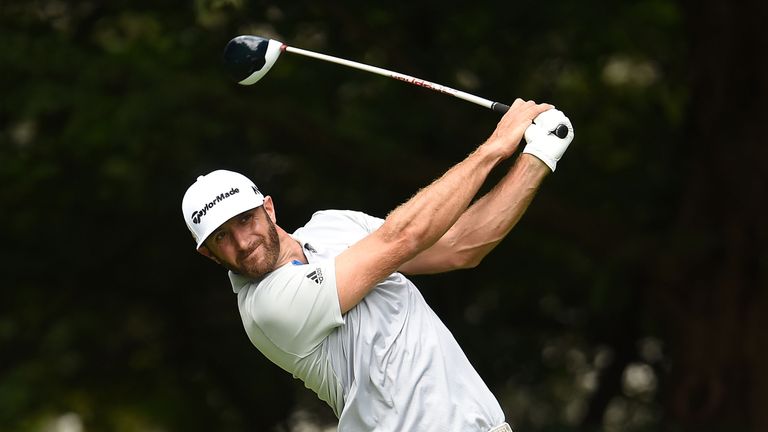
point(389, 364)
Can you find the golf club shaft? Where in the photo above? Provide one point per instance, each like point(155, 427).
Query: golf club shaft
point(496, 106)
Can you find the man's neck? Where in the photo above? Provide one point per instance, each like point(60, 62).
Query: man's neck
point(290, 249)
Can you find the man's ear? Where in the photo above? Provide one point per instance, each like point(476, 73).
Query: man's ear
point(269, 207)
point(207, 252)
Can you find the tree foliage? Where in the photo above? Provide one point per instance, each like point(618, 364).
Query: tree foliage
point(631, 297)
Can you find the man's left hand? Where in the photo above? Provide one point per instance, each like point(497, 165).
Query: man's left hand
point(542, 140)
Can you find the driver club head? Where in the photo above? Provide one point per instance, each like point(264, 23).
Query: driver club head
point(248, 58)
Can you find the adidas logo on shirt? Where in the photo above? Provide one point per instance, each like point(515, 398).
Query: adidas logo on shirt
point(316, 276)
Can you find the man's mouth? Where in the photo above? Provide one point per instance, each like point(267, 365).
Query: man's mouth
point(247, 255)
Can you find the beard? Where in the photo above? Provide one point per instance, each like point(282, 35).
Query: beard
point(261, 256)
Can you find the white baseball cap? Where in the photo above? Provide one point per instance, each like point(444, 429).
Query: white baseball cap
point(214, 199)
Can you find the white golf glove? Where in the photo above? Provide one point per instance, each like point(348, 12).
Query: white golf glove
point(542, 141)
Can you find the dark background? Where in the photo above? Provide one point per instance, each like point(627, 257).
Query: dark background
point(631, 297)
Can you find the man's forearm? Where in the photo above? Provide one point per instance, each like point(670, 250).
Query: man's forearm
point(425, 218)
point(433, 210)
point(484, 224)
point(411, 228)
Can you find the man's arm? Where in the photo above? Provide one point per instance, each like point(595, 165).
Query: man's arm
point(421, 221)
point(485, 223)
point(491, 218)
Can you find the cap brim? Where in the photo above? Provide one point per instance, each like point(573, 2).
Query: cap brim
point(236, 211)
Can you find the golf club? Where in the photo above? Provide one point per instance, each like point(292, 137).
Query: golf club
point(248, 58)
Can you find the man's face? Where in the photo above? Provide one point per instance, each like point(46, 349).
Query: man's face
point(246, 244)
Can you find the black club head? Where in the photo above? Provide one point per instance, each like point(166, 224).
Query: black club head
point(248, 58)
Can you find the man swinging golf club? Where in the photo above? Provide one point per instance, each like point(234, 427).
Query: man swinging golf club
point(331, 304)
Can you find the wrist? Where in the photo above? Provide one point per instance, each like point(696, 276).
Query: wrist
point(533, 166)
point(494, 150)
point(540, 154)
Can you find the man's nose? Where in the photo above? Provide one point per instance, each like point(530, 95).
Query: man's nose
point(240, 239)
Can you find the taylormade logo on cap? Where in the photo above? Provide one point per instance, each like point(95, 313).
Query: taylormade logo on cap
point(215, 198)
point(197, 215)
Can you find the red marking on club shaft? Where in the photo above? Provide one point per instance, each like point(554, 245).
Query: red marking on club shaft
point(420, 83)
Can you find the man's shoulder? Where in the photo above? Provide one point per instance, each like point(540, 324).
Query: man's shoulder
point(281, 283)
point(247, 286)
point(339, 215)
point(342, 218)
point(281, 276)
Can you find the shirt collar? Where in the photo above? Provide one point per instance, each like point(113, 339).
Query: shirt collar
point(239, 281)
point(308, 248)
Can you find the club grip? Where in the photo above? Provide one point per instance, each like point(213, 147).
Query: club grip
point(500, 107)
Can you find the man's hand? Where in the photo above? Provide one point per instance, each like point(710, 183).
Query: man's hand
point(542, 140)
point(510, 129)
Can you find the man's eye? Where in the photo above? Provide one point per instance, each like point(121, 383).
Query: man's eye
point(245, 218)
point(219, 236)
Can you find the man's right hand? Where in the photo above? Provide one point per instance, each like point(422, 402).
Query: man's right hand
point(510, 129)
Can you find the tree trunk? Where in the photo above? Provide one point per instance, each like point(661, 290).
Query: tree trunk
point(712, 289)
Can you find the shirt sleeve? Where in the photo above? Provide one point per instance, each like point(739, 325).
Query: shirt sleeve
point(297, 306)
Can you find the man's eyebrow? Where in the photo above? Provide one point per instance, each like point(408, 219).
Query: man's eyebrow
point(246, 212)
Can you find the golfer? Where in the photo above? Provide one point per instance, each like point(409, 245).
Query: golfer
point(330, 303)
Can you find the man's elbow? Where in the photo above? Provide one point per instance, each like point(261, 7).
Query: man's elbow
point(467, 260)
point(471, 255)
point(402, 241)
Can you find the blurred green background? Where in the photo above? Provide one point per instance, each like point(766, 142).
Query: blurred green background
point(632, 296)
